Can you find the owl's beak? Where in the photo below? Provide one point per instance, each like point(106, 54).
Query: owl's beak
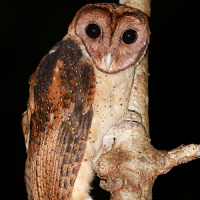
point(108, 61)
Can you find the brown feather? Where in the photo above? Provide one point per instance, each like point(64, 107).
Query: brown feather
point(61, 95)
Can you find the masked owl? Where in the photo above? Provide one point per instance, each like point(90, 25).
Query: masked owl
point(79, 91)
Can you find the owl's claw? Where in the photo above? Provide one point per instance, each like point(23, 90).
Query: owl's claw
point(138, 123)
point(134, 120)
point(117, 130)
point(130, 112)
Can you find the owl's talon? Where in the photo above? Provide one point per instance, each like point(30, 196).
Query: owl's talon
point(138, 123)
point(135, 112)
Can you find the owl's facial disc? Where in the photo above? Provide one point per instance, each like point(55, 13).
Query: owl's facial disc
point(115, 37)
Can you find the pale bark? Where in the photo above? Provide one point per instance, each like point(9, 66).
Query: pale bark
point(131, 167)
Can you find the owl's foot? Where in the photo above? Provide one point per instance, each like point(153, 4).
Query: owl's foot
point(133, 118)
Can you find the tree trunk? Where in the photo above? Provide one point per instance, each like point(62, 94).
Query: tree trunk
point(131, 167)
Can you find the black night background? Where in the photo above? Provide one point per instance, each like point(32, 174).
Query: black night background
point(28, 29)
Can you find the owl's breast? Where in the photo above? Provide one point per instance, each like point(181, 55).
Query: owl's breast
point(110, 103)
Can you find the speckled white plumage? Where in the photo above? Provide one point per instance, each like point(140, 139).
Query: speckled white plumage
point(110, 103)
point(110, 106)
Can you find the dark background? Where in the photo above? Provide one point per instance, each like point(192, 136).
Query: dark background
point(28, 29)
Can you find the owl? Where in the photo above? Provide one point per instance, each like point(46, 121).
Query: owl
point(79, 92)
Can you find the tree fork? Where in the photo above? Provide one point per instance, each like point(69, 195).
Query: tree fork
point(131, 167)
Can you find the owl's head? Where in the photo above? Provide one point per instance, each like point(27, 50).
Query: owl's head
point(115, 36)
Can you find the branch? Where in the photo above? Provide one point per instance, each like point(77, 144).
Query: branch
point(133, 164)
point(143, 5)
point(131, 167)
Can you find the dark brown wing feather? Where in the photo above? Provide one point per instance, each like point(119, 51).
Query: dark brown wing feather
point(58, 120)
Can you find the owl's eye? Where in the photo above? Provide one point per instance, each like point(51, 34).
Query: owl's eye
point(93, 30)
point(129, 36)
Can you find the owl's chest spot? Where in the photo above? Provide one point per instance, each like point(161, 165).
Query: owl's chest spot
point(110, 102)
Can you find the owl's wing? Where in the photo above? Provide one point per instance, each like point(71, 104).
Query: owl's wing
point(58, 119)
